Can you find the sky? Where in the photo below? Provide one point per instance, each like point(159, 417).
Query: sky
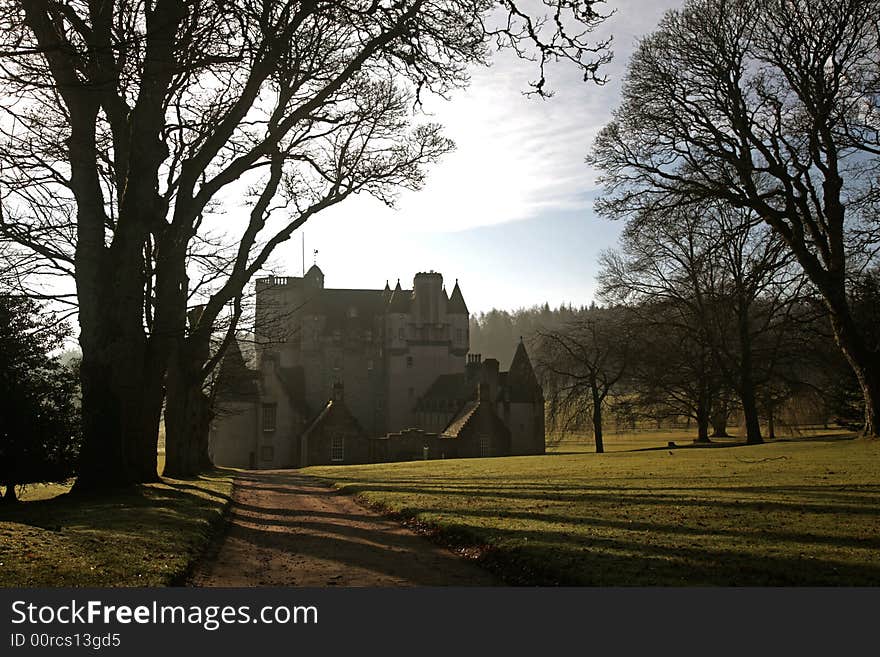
point(509, 213)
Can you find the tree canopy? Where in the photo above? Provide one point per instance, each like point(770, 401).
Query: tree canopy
point(132, 119)
point(770, 106)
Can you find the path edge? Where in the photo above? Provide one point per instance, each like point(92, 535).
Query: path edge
point(212, 539)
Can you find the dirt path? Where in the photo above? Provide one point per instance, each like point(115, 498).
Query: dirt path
point(286, 529)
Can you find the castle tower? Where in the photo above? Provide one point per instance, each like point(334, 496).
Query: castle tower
point(523, 405)
point(459, 319)
point(420, 345)
point(314, 278)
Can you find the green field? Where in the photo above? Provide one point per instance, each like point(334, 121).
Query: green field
point(144, 536)
point(799, 512)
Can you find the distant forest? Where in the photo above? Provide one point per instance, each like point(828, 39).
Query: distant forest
point(496, 333)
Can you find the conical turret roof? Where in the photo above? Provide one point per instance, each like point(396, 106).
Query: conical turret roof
point(400, 300)
point(456, 305)
point(521, 380)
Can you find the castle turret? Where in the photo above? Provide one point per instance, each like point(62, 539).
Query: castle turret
point(427, 294)
point(314, 277)
point(399, 301)
point(456, 305)
point(521, 380)
point(459, 320)
point(522, 406)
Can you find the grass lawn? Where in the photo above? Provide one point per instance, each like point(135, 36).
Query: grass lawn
point(146, 536)
point(798, 512)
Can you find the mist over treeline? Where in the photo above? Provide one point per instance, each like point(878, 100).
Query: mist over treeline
point(495, 333)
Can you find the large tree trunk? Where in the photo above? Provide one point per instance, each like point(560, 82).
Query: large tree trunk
point(9, 496)
point(864, 362)
point(746, 388)
point(720, 413)
point(597, 420)
point(122, 370)
point(187, 422)
point(187, 408)
point(121, 392)
point(702, 417)
point(119, 395)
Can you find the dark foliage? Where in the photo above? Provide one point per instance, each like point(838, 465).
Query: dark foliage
point(39, 434)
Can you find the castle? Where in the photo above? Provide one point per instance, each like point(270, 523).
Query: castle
point(361, 376)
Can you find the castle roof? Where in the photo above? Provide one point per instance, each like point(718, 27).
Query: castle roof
point(470, 415)
point(460, 421)
point(446, 389)
point(346, 309)
point(521, 380)
point(333, 414)
point(456, 305)
point(400, 300)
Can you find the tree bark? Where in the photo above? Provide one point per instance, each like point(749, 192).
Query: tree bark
point(864, 362)
point(702, 429)
point(746, 379)
point(702, 417)
point(122, 369)
point(115, 381)
point(719, 416)
point(597, 420)
point(187, 419)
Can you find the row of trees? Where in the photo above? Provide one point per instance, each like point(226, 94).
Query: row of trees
point(749, 133)
point(130, 122)
point(706, 314)
point(743, 160)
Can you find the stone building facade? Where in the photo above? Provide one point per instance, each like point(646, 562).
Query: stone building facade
point(397, 361)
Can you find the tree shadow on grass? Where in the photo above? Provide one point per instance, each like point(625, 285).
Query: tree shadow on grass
point(608, 532)
point(849, 503)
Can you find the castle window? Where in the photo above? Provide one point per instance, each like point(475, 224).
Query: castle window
point(459, 335)
point(370, 364)
point(337, 449)
point(409, 361)
point(269, 412)
point(402, 334)
point(352, 312)
point(485, 449)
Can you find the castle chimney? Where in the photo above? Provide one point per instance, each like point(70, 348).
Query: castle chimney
point(472, 369)
point(489, 376)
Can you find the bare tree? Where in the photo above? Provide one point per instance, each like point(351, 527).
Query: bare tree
point(672, 370)
point(142, 114)
point(726, 281)
point(769, 105)
point(581, 365)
